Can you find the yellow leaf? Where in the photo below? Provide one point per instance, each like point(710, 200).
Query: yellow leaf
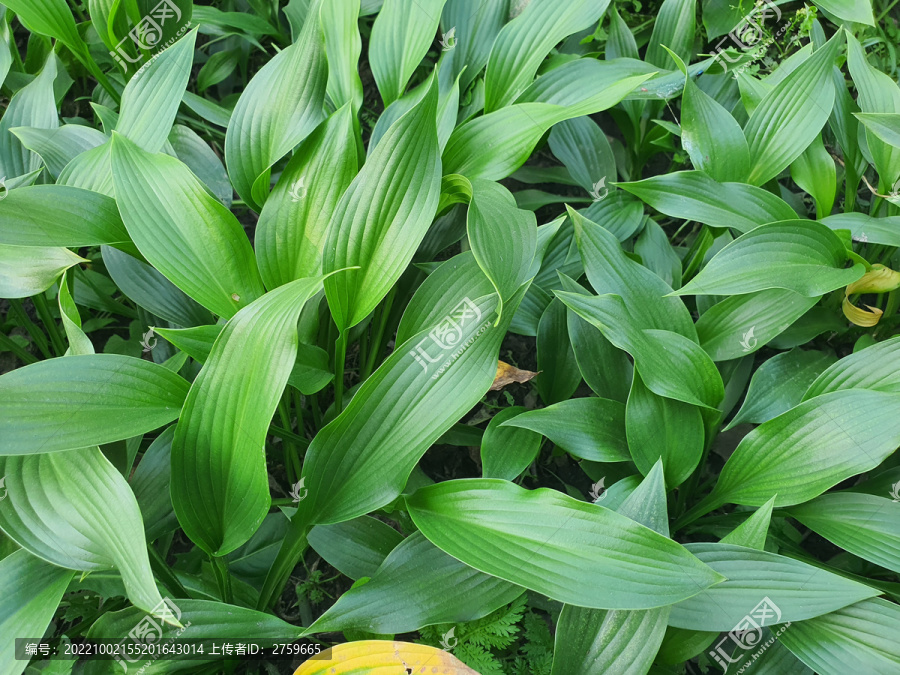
point(507, 374)
point(383, 657)
point(880, 279)
point(861, 317)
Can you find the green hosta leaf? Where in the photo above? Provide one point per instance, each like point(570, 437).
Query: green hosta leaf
point(566, 549)
point(864, 525)
point(859, 11)
point(33, 591)
point(877, 93)
point(502, 236)
point(494, 145)
point(201, 619)
point(183, 231)
point(812, 447)
point(588, 428)
point(798, 255)
point(291, 232)
point(29, 270)
point(477, 24)
point(663, 428)
point(885, 126)
point(865, 369)
point(90, 170)
point(151, 99)
point(409, 591)
point(32, 106)
point(74, 509)
point(559, 375)
point(693, 195)
point(670, 364)
point(674, 28)
point(81, 401)
point(437, 373)
point(152, 291)
point(49, 17)
point(55, 215)
point(150, 483)
point(219, 482)
point(753, 531)
point(355, 547)
point(711, 136)
point(657, 253)
point(815, 172)
point(200, 158)
point(79, 343)
point(342, 48)
point(743, 324)
point(596, 640)
point(779, 384)
point(59, 146)
point(791, 115)
point(794, 590)
point(218, 67)
point(280, 107)
point(525, 41)
point(858, 638)
point(583, 148)
point(610, 271)
point(401, 36)
point(384, 214)
point(506, 451)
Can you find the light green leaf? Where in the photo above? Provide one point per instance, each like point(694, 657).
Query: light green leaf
point(79, 343)
point(693, 195)
point(859, 11)
point(477, 24)
point(291, 232)
point(401, 36)
point(583, 148)
point(885, 126)
point(182, 230)
point(744, 324)
point(812, 447)
point(355, 547)
point(342, 48)
point(815, 172)
point(865, 369)
point(753, 531)
point(150, 483)
point(864, 525)
point(33, 591)
point(663, 428)
point(588, 428)
point(49, 17)
point(32, 106)
point(59, 146)
point(74, 509)
point(791, 116)
point(674, 28)
point(798, 590)
point(779, 384)
point(29, 270)
point(200, 158)
point(578, 553)
point(409, 591)
point(524, 42)
point(82, 401)
point(280, 107)
point(220, 487)
point(506, 451)
point(383, 216)
point(858, 638)
point(798, 255)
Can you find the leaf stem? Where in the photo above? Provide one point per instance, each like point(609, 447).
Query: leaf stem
point(710, 503)
point(43, 310)
point(376, 347)
point(223, 578)
point(291, 460)
point(292, 548)
point(340, 358)
point(37, 335)
point(165, 574)
point(9, 344)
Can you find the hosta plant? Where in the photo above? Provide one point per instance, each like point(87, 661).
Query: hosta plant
point(465, 336)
